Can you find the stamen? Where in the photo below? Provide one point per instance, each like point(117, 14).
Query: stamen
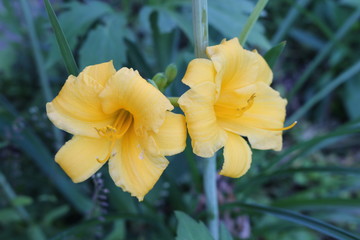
point(282, 129)
point(112, 143)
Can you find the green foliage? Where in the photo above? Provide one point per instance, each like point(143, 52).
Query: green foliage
point(309, 190)
point(189, 229)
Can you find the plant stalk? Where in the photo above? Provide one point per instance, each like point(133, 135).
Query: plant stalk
point(201, 41)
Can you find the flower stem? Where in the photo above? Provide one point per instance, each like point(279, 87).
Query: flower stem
point(201, 41)
point(211, 195)
point(200, 27)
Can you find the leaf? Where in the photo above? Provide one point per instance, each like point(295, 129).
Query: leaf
point(345, 76)
point(189, 229)
point(9, 215)
point(323, 53)
point(65, 50)
point(105, 43)
point(291, 216)
point(224, 233)
point(352, 97)
point(22, 201)
point(55, 214)
point(274, 53)
point(229, 16)
point(254, 16)
point(333, 204)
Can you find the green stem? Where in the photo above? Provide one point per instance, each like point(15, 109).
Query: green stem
point(44, 81)
point(201, 41)
point(211, 195)
point(251, 21)
point(200, 27)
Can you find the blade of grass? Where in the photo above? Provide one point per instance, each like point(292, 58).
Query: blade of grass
point(291, 216)
point(40, 65)
point(65, 50)
point(289, 20)
point(251, 21)
point(273, 54)
point(309, 204)
point(324, 52)
point(353, 70)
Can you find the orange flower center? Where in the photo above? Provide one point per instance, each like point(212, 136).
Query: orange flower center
point(115, 131)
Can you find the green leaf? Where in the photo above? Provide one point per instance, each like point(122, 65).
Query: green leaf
point(9, 215)
point(105, 43)
point(22, 201)
point(224, 233)
point(65, 50)
point(252, 20)
point(324, 52)
point(289, 20)
point(351, 97)
point(233, 14)
point(345, 76)
point(291, 216)
point(55, 214)
point(273, 54)
point(333, 204)
point(189, 229)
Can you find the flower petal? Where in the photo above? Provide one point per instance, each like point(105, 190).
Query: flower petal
point(237, 157)
point(78, 157)
point(171, 138)
point(198, 105)
point(128, 90)
point(132, 168)
point(199, 70)
point(77, 108)
point(267, 112)
point(237, 67)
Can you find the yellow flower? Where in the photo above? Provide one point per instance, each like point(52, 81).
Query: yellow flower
point(116, 116)
point(230, 97)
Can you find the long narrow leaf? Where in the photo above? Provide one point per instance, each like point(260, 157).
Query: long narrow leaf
point(308, 204)
point(289, 20)
point(251, 21)
point(291, 216)
point(65, 50)
point(273, 54)
point(325, 91)
point(324, 52)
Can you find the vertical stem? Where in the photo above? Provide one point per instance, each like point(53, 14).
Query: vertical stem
point(200, 27)
point(211, 195)
point(201, 40)
point(44, 81)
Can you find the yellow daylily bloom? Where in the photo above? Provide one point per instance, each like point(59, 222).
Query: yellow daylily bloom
point(230, 97)
point(116, 116)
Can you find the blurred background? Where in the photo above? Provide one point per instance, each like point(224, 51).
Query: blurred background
point(316, 174)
